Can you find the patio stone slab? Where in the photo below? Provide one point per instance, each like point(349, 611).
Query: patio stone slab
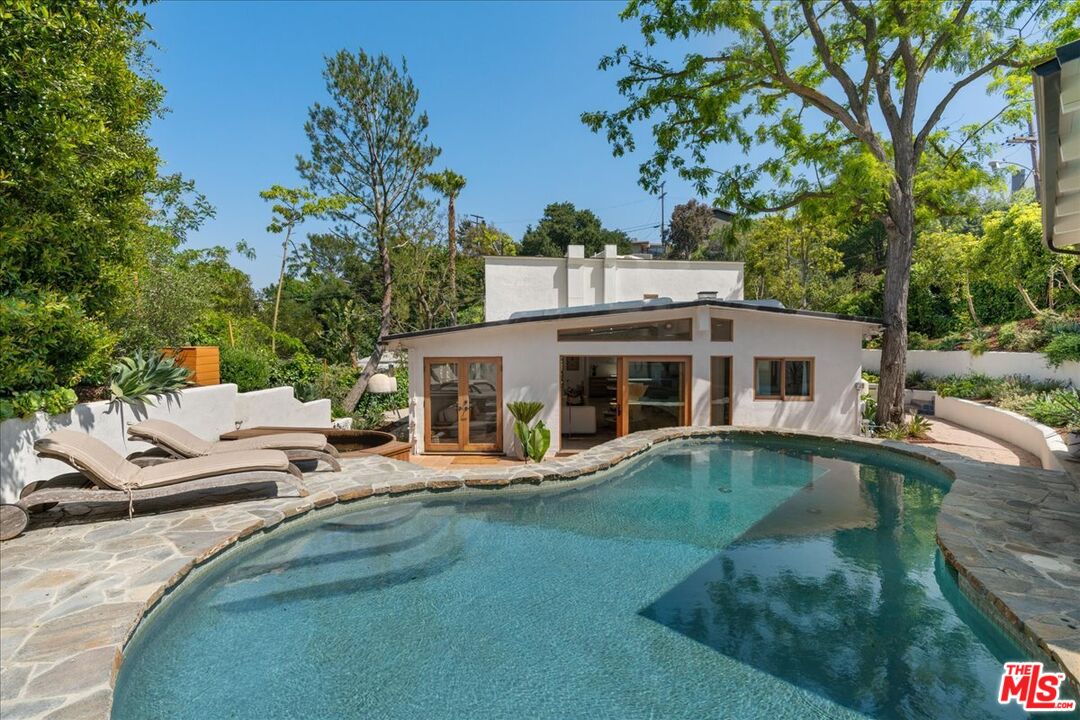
point(76, 585)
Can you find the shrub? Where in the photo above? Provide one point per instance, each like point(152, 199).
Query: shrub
point(250, 370)
point(1065, 346)
point(918, 380)
point(24, 404)
point(298, 371)
point(975, 386)
point(918, 427)
point(139, 379)
point(46, 341)
point(1015, 337)
point(1058, 408)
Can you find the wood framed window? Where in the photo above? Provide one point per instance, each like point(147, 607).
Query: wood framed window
point(722, 330)
point(783, 378)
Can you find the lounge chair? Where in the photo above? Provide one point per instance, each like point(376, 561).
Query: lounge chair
point(106, 476)
point(176, 442)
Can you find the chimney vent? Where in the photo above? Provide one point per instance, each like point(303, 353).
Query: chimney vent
point(706, 294)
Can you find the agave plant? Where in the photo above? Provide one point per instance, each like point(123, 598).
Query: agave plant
point(534, 440)
point(140, 378)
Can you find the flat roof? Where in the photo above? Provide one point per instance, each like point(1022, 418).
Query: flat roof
point(637, 306)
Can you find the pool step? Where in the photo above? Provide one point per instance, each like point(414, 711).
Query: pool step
point(384, 558)
point(375, 518)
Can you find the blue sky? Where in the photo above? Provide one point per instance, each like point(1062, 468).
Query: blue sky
point(504, 85)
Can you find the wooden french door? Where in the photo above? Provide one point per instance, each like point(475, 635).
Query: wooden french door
point(463, 404)
point(653, 392)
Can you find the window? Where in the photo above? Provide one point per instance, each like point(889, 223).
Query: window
point(722, 330)
point(664, 330)
point(783, 379)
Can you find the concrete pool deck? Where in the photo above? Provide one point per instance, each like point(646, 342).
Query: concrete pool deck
point(76, 585)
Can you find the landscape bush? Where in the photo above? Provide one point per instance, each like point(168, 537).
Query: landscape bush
point(46, 341)
point(1065, 346)
point(248, 369)
point(24, 404)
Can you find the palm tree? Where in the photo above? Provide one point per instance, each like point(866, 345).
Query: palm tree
point(450, 184)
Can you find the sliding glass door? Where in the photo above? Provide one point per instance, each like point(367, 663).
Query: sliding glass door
point(463, 404)
point(654, 392)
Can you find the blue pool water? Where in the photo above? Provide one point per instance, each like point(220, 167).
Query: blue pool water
point(715, 579)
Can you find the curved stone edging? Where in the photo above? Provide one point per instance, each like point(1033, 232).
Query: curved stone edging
point(60, 656)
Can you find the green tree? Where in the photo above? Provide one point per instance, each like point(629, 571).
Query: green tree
point(692, 225)
point(1011, 256)
point(369, 147)
point(812, 81)
point(75, 168)
point(792, 260)
point(564, 225)
point(480, 239)
point(450, 184)
point(291, 207)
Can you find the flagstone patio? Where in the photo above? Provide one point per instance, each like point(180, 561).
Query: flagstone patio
point(75, 586)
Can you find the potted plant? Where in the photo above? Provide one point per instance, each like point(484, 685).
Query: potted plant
point(534, 440)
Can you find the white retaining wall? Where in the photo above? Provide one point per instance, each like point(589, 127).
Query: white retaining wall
point(939, 363)
point(1041, 441)
point(206, 411)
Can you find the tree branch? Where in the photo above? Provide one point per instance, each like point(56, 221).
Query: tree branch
point(822, 102)
point(857, 103)
point(932, 53)
point(920, 139)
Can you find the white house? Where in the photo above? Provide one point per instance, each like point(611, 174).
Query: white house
point(615, 344)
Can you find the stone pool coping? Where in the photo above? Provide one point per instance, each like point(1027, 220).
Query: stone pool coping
point(73, 591)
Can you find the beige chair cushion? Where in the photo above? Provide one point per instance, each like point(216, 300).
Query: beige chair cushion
point(99, 462)
point(171, 437)
point(209, 466)
point(279, 441)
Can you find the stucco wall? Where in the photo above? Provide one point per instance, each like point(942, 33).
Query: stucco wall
point(1041, 441)
point(996, 364)
point(206, 411)
point(530, 356)
point(515, 284)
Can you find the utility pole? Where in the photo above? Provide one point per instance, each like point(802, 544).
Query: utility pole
point(1032, 142)
point(663, 219)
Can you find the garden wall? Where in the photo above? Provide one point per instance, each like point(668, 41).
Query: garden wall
point(939, 363)
point(206, 411)
point(1041, 441)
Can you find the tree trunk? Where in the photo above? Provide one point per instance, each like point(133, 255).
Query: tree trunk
point(899, 226)
point(451, 215)
point(1069, 280)
point(360, 387)
point(277, 299)
point(970, 303)
point(1027, 299)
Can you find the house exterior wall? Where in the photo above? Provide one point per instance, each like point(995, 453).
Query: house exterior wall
point(517, 284)
point(530, 360)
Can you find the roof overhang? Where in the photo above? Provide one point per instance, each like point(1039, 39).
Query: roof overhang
point(871, 324)
point(1057, 108)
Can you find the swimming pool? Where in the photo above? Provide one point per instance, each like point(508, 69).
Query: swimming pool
point(719, 578)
